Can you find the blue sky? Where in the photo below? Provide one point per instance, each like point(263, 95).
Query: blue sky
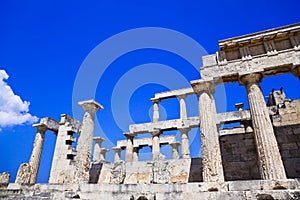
point(44, 44)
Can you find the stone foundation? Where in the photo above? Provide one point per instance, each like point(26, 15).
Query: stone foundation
point(255, 189)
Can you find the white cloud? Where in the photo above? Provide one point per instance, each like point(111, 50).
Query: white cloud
point(13, 111)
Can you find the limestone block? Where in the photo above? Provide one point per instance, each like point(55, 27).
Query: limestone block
point(179, 170)
point(106, 173)
point(118, 172)
point(24, 174)
point(4, 178)
point(161, 170)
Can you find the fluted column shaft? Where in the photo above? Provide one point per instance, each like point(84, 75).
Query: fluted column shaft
point(85, 140)
point(135, 156)
point(211, 154)
point(183, 114)
point(270, 162)
point(155, 110)
point(175, 154)
point(185, 145)
point(155, 145)
point(97, 148)
point(129, 148)
point(35, 157)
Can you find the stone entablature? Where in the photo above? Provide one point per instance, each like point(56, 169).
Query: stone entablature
point(271, 52)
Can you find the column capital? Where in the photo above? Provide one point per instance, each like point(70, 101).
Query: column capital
point(129, 135)
point(155, 100)
point(250, 78)
point(296, 71)
point(175, 144)
point(156, 133)
point(40, 127)
point(98, 140)
point(117, 149)
point(181, 96)
point(239, 106)
point(90, 105)
point(201, 86)
point(184, 130)
point(104, 150)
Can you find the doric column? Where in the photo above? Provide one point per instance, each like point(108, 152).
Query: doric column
point(296, 72)
point(97, 148)
point(85, 140)
point(103, 152)
point(35, 158)
point(129, 148)
point(155, 110)
point(135, 156)
point(182, 104)
point(175, 154)
point(185, 145)
point(155, 144)
point(270, 163)
point(117, 156)
point(211, 154)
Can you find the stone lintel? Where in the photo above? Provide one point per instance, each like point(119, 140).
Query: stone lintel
point(91, 105)
point(172, 94)
point(50, 123)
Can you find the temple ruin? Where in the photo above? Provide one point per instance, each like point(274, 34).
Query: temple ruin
point(258, 159)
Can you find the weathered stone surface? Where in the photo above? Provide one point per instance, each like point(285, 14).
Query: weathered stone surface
point(84, 146)
point(118, 173)
point(62, 169)
point(4, 178)
point(211, 155)
point(24, 174)
point(270, 162)
point(153, 191)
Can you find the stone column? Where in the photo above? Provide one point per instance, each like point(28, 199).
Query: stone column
point(296, 71)
point(175, 154)
point(185, 145)
point(129, 148)
point(182, 104)
point(155, 110)
point(135, 156)
point(211, 154)
point(103, 152)
point(35, 158)
point(270, 163)
point(85, 140)
point(117, 153)
point(155, 144)
point(97, 148)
